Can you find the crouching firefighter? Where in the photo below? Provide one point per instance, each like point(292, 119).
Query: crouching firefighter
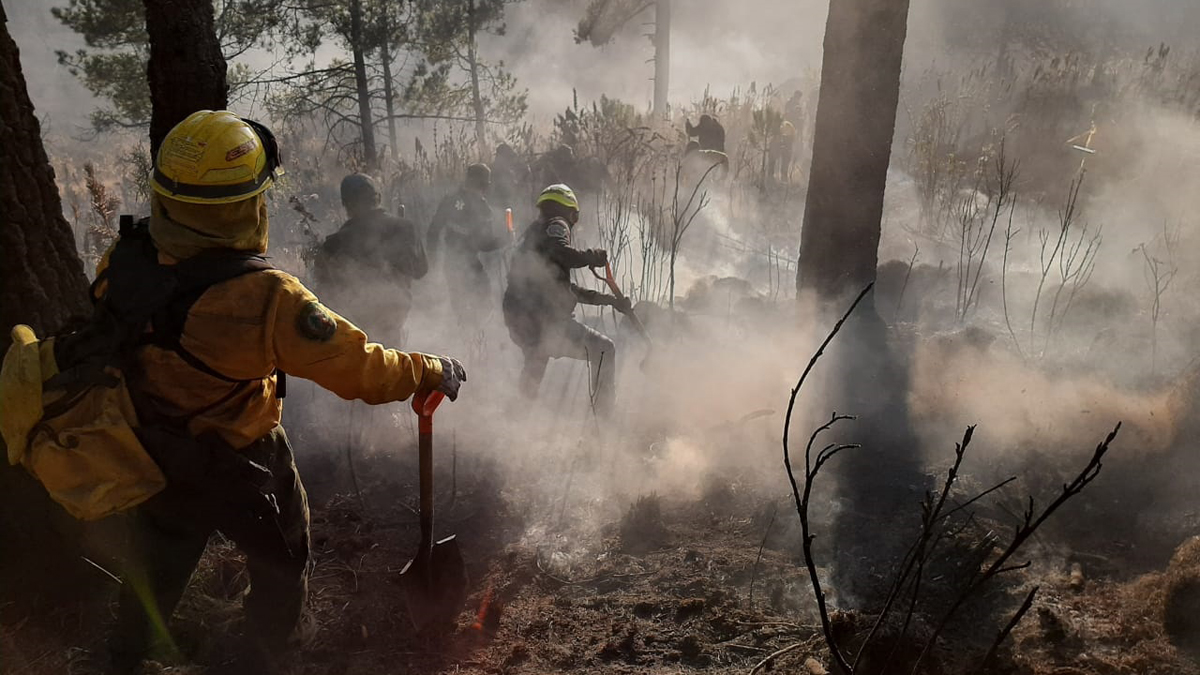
point(540, 300)
point(200, 329)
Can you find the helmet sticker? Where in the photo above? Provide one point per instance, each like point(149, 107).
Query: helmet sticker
point(240, 150)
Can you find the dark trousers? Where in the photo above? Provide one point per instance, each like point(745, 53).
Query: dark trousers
point(171, 531)
point(542, 340)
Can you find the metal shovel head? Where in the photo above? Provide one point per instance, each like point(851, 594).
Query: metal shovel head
point(435, 587)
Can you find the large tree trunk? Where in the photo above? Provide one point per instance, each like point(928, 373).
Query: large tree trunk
point(41, 284)
point(856, 119)
point(365, 122)
point(41, 278)
point(662, 55)
point(187, 69)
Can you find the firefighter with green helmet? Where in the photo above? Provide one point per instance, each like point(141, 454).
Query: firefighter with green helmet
point(540, 300)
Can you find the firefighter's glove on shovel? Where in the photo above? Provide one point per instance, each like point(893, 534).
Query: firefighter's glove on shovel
point(620, 303)
point(453, 375)
point(597, 257)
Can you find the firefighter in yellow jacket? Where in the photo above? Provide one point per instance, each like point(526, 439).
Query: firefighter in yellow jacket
point(222, 380)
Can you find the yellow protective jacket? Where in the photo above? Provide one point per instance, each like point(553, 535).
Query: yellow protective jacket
point(249, 327)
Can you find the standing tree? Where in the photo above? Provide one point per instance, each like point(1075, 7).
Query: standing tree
point(183, 49)
point(856, 118)
point(343, 94)
point(366, 122)
point(603, 18)
point(41, 279)
point(113, 66)
point(662, 55)
point(852, 146)
point(41, 284)
point(457, 80)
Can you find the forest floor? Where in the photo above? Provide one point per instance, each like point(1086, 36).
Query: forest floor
point(712, 584)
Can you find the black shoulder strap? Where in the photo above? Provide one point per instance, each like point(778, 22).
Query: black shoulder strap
point(193, 277)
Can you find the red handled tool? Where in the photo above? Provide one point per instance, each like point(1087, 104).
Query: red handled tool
point(435, 581)
point(611, 281)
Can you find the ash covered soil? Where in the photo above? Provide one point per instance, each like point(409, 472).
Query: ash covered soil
point(666, 585)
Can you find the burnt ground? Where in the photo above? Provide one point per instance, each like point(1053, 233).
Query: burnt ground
point(663, 587)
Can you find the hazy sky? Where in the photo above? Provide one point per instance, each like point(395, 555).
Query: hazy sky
point(62, 102)
point(722, 43)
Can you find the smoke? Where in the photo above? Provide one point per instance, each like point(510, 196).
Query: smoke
point(715, 45)
point(736, 343)
point(61, 101)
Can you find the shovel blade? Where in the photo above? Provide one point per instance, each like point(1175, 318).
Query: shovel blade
point(435, 587)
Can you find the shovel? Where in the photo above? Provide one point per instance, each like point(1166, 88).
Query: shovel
point(610, 280)
point(435, 581)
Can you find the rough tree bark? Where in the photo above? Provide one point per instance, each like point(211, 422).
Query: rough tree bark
point(852, 146)
point(187, 69)
point(856, 118)
point(365, 122)
point(41, 284)
point(41, 278)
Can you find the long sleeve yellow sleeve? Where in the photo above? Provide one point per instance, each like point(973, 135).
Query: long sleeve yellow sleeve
point(313, 342)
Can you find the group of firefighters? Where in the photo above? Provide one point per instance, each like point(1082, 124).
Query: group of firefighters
point(240, 335)
point(367, 268)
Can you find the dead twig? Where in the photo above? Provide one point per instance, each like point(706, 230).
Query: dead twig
point(918, 554)
point(770, 624)
point(903, 287)
point(758, 559)
point(811, 468)
point(1007, 630)
point(770, 659)
point(1026, 529)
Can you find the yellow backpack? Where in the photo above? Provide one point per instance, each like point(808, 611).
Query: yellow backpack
point(66, 413)
point(79, 442)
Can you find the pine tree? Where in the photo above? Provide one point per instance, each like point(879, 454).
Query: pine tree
point(456, 79)
point(183, 48)
point(113, 65)
point(41, 284)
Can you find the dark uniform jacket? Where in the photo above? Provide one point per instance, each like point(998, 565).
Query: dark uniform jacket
point(464, 220)
point(539, 281)
point(377, 246)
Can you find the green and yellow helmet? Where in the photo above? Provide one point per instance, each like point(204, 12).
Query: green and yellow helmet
point(559, 194)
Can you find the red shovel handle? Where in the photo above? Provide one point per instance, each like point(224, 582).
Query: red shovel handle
point(424, 405)
point(609, 278)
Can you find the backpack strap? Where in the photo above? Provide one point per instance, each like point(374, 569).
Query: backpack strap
point(142, 292)
point(193, 277)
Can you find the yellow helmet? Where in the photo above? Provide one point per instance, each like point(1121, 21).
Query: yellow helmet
point(216, 157)
point(559, 194)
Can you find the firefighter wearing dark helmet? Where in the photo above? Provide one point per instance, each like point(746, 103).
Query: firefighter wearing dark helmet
point(367, 267)
point(540, 300)
point(221, 386)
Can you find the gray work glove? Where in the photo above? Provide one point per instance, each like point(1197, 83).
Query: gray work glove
point(453, 375)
